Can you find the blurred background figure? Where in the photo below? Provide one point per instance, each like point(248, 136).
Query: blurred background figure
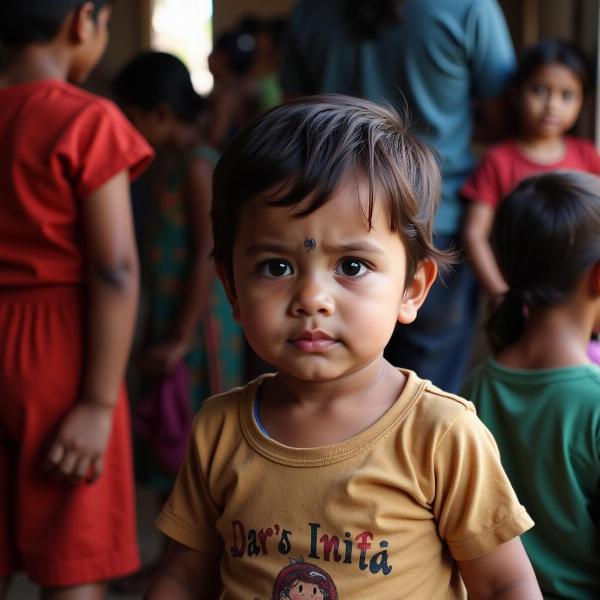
point(245, 65)
point(437, 60)
point(187, 318)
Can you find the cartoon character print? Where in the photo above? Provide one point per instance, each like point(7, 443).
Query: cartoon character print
point(303, 581)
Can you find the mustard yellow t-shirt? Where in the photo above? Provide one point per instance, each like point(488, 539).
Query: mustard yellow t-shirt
point(380, 516)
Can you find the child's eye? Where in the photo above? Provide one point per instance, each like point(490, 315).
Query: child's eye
point(538, 90)
point(275, 268)
point(568, 95)
point(351, 267)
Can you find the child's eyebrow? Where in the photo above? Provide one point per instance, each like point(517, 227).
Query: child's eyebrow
point(351, 247)
point(342, 248)
point(266, 248)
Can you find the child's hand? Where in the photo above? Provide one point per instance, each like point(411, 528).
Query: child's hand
point(161, 359)
point(77, 452)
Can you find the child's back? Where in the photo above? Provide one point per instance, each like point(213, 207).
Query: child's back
point(540, 396)
point(68, 291)
point(546, 423)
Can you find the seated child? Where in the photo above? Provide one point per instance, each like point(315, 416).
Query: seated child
point(339, 476)
point(539, 395)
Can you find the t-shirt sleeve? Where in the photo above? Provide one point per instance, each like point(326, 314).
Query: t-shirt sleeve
point(484, 185)
point(490, 48)
point(190, 514)
point(100, 143)
point(475, 506)
point(592, 158)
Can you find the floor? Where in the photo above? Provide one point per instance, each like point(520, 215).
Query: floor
point(150, 543)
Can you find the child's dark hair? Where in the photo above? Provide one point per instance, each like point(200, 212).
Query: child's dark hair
point(554, 52)
point(36, 21)
point(546, 234)
point(297, 155)
point(155, 78)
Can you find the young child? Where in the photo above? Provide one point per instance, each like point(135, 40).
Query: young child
point(68, 296)
point(540, 394)
point(550, 84)
point(340, 475)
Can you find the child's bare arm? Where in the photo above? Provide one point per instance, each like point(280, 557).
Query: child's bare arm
point(478, 225)
point(112, 294)
point(186, 574)
point(503, 574)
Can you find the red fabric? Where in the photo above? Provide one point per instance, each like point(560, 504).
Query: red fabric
point(503, 167)
point(60, 534)
point(59, 144)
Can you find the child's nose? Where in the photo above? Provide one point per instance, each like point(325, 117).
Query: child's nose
point(311, 297)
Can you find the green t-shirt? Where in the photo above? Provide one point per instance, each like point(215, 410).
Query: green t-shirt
point(547, 426)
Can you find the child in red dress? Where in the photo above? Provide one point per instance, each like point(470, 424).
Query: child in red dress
point(68, 296)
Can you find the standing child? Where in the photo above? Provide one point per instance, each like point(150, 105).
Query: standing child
point(550, 83)
point(340, 476)
point(68, 295)
point(540, 396)
point(188, 316)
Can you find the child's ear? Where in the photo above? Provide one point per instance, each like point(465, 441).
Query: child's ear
point(229, 290)
point(416, 291)
point(83, 23)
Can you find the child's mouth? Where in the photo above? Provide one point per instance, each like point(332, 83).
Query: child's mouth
point(313, 341)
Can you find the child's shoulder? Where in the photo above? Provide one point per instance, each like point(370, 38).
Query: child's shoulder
point(437, 411)
point(224, 411)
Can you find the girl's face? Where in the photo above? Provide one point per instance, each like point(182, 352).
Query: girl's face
point(302, 590)
point(550, 101)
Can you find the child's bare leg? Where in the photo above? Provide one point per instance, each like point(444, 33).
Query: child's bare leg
point(92, 591)
point(4, 583)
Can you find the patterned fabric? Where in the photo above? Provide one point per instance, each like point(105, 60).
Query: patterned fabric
point(215, 358)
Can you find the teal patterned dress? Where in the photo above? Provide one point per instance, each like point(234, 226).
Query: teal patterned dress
point(215, 358)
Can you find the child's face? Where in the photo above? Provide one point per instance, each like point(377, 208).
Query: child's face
point(153, 124)
point(302, 590)
point(551, 100)
point(319, 296)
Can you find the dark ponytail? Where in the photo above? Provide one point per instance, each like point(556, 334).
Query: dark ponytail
point(546, 234)
point(369, 18)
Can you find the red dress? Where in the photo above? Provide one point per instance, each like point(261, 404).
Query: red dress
point(58, 145)
point(504, 166)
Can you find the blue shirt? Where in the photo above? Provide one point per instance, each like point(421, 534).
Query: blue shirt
point(437, 60)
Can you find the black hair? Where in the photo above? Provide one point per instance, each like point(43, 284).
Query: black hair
point(155, 78)
point(36, 21)
point(297, 155)
point(239, 48)
point(559, 52)
point(546, 234)
point(369, 19)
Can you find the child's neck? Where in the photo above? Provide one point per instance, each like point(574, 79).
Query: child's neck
point(542, 150)
point(554, 337)
point(309, 414)
point(35, 63)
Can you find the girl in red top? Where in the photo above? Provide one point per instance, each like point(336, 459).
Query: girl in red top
point(68, 295)
point(551, 80)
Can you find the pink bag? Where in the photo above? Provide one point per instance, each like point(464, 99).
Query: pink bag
point(163, 418)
